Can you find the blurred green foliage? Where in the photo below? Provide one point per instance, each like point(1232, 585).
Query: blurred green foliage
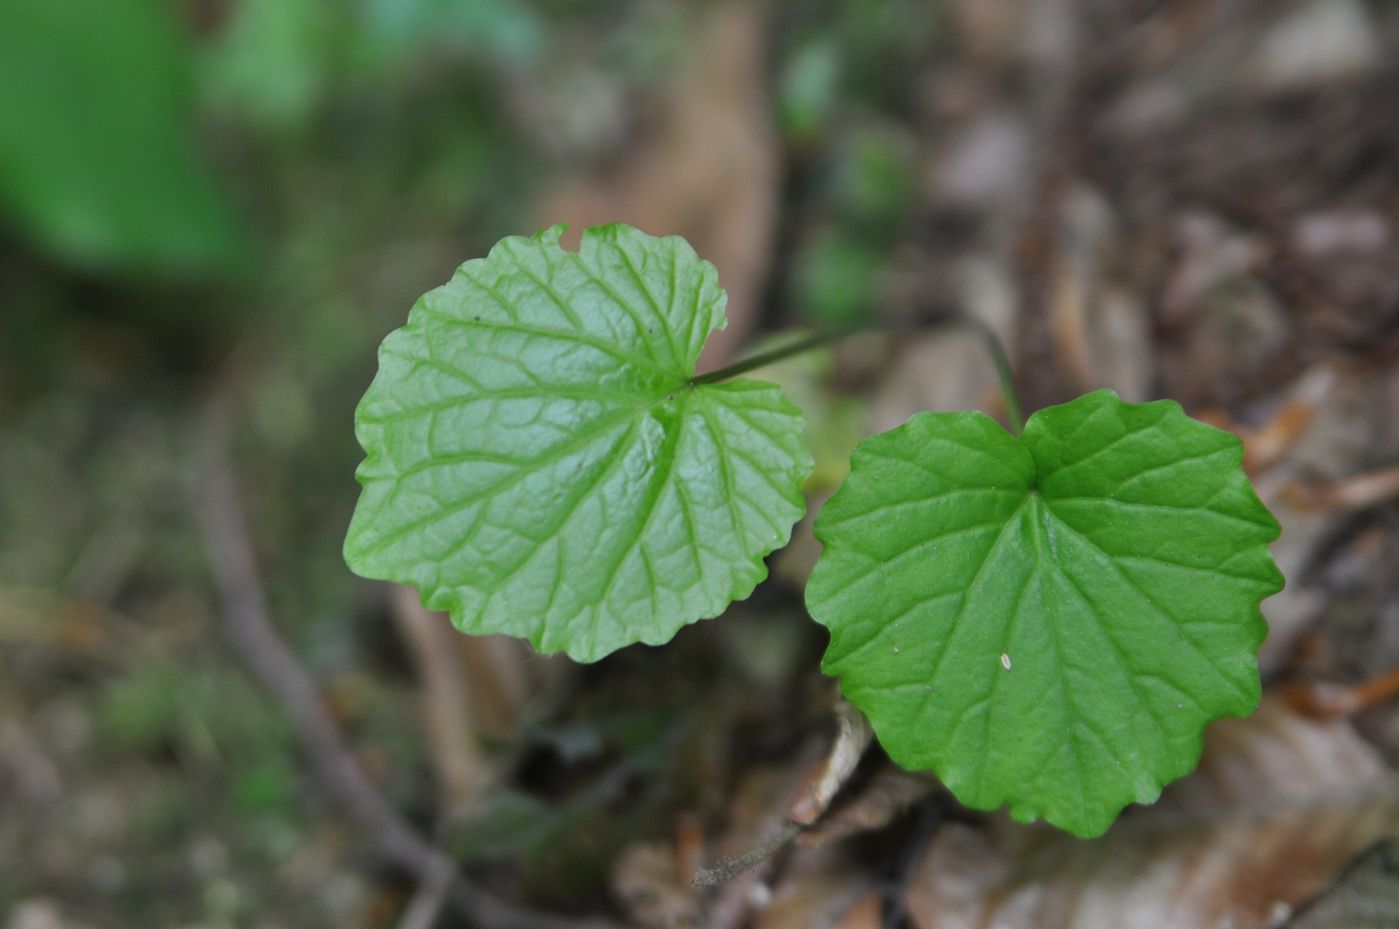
point(868, 183)
point(835, 421)
point(272, 62)
point(807, 86)
point(847, 83)
point(212, 721)
point(97, 158)
point(506, 30)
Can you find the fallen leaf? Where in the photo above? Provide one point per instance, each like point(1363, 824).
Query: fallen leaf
point(822, 890)
point(648, 882)
point(1278, 806)
point(1365, 897)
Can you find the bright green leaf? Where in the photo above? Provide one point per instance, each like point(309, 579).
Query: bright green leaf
point(1047, 621)
point(540, 462)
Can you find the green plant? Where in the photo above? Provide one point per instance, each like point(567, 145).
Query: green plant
point(1047, 620)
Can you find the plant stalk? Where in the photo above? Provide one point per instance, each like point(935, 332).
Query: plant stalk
point(782, 352)
point(999, 358)
point(993, 347)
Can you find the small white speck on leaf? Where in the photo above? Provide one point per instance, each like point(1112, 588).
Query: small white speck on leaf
point(1005, 661)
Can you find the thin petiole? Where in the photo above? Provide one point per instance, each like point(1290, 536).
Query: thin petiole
point(780, 353)
point(998, 358)
point(993, 347)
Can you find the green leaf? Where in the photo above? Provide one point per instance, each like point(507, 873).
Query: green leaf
point(97, 161)
point(1047, 622)
point(540, 462)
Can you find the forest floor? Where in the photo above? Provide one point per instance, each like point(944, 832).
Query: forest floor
point(1195, 199)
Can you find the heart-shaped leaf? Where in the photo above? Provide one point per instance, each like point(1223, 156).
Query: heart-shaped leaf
point(1047, 621)
point(540, 461)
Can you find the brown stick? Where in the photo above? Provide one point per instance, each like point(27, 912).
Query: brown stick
point(731, 868)
point(249, 629)
point(463, 770)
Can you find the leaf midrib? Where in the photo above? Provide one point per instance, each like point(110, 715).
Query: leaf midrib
point(1039, 504)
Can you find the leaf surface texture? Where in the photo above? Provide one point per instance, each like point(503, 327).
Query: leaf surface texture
point(539, 462)
point(1047, 622)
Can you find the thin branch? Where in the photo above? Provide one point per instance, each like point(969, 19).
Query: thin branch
point(731, 868)
point(249, 629)
point(464, 772)
point(427, 903)
point(853, 735)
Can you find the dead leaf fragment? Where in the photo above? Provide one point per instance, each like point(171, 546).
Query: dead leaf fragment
point(1278, 806)
point(853, 735)
point(1365, 897)
point(653, 891)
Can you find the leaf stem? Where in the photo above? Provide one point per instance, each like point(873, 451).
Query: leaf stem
point(997, 352)
point(782, 352)
point(993, 347)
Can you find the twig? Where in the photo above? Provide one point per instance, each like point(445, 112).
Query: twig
point(853, 735)
point(1000, 360)
point(1323, 699)
point(731, 868)
point(463, 770)
point(249, 629)
point(428, 901)
point(744, 876)
point(1351, 493)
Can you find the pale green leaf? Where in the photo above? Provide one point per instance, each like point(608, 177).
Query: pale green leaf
point(1048, 621)
point(540, 462)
